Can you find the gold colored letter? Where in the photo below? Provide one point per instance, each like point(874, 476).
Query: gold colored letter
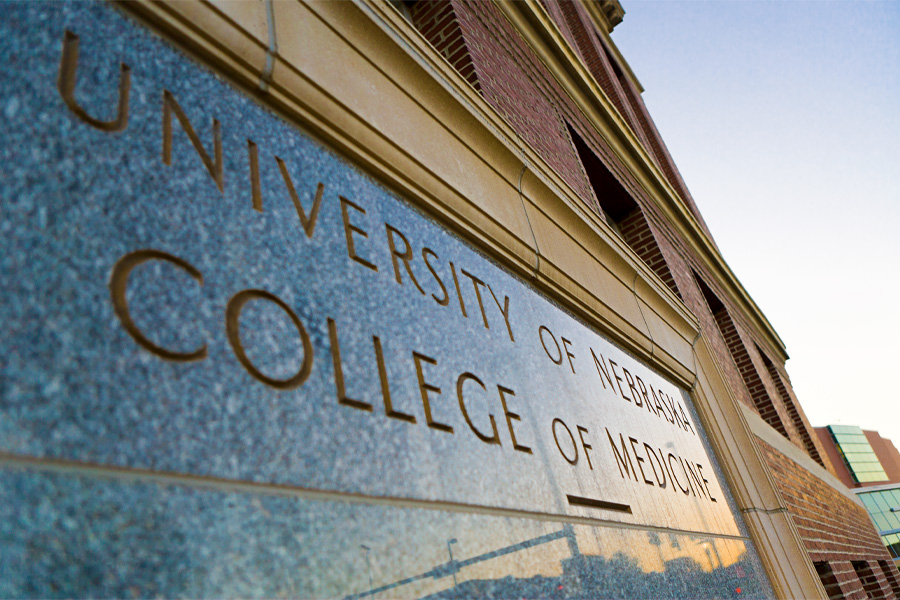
point(232, 328)
point(118, 284)
point(216, 171)
point(68, 67)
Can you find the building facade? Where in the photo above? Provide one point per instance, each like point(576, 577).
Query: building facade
point(388, 299)
point(870, 465)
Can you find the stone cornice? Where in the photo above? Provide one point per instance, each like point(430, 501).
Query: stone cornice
point(602, 24)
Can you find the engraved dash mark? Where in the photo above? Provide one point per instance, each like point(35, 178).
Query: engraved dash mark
point(592, 503)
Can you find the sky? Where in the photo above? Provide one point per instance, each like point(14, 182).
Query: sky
point(784, 120)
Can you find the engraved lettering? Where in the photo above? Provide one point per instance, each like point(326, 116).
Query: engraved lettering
point(232, 328)
point(558, 359)
point(705, 483)
point(685, 491)
point(574, 460)
point(652, 453)
point(634, 393)
point(216, 170)
point(620, 462)
point(613, 365)
point(640, 461)
point(255, 191)
point(65, 83)
point(601, 370)
point(462, 305)
point(585, 445)
point(385, 388)
point(350, 229)
point(118, 285)
point(446, 299)
point(510, 417)
point(694, 478)
point(667, 401)
point(309, 223)
point(475, 283)
point(660, 408)
point(425, 388)
point(405, 256)
point(569, 355)
point(666, 466)
point(685, 419)
point(492, 439)
point(340, 386)
point(504, 310)
point(686, 476)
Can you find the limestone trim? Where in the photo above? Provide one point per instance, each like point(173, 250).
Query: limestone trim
point(765, 432)
point(765, 512)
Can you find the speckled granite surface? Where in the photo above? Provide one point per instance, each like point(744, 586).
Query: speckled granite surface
point(75, 386)
point(72, 536)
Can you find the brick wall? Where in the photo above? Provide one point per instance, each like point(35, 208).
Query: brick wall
point(572, 18)
point(870, 582)
point(637, 234)
point(891, 574)
point(436, 20)
point(519, 87)
point(761, 399)
point(829, 581)
point(598, 63)
point(834, 529)
point(800, 425)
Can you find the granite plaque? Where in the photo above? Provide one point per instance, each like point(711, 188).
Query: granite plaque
point(192, 287)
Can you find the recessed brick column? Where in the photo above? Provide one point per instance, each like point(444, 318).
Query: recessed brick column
point(639, 236)
point(792, 411)
point(437, 21)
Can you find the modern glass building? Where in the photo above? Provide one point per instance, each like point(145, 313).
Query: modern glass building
point(858, 455)
point(884, 508)
point(870, 465)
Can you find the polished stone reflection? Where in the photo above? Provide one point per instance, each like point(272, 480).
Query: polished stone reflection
point(67, 535)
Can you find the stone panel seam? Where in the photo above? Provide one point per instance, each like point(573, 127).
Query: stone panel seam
point(637, 301)
point(265, 78)
point(225, 485)
point(537, 251)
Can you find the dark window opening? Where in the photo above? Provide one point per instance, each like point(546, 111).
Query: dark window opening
point(617, 70)
point(403, 7)
point(761, 399)
point(614, 200)
point(622, 213)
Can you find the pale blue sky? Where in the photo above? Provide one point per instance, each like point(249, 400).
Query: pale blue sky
point(784, 120)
